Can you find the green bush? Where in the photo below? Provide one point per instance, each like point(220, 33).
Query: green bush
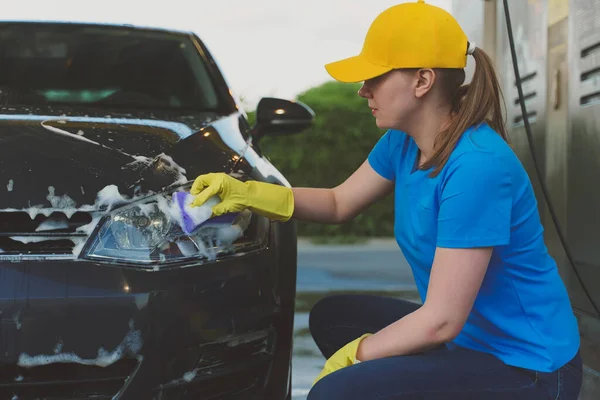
point(323, 156)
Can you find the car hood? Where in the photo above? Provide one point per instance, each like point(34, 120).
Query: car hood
point(71, 160)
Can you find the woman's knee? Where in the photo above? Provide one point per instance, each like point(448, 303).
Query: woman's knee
point(322, 312)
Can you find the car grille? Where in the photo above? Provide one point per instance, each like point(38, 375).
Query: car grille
point(227, 370)
point(54, 234)
point(64, 381)
point(247, 385)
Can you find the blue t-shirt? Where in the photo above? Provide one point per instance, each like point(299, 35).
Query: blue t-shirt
point(481, 198)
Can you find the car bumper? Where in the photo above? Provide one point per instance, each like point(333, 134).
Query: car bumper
point(74, 330)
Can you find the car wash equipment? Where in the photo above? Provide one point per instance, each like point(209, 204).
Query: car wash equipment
point(538, 171)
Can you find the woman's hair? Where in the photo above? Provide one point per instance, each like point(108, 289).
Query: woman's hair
point(472, 104)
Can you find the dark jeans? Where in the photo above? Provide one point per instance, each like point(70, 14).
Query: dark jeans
point(436, 374)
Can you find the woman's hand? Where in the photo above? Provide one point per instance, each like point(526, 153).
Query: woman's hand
point(342, 358)
point(272, 201)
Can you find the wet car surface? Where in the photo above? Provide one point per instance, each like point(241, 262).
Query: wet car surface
point(103, 294)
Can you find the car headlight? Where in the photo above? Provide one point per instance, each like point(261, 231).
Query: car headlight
point(149, 232)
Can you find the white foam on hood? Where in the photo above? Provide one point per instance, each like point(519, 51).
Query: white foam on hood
point(190, 375)
point(167, 166)
point(141, 160)
point(10, 185)
point(63, 202)
point(109, 196)
point(130, 345)
point(174, 167)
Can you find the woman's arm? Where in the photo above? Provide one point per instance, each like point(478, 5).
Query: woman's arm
point(456, 277)
point(344, 202)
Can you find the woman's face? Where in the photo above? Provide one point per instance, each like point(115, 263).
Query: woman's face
point(392, 98)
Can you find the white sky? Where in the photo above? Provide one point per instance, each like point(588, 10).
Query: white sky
point(264, 47)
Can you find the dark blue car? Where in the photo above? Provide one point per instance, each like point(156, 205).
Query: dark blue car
point(103, 294)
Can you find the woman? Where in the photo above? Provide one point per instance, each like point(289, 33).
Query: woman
point(496, 321)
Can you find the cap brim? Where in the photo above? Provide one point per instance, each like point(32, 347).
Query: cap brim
point(355, 69)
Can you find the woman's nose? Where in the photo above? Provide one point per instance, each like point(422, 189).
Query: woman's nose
point(364, 91)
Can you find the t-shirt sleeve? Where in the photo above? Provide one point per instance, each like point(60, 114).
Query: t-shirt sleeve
point(475, 203)
point(380, 157)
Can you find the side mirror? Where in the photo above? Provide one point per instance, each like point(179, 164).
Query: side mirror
point(281, 117)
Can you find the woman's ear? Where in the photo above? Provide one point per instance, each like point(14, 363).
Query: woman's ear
point(425, 80)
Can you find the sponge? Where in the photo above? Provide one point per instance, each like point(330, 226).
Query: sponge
point(192, 218)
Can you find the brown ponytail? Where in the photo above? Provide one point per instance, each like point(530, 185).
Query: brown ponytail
point(472, 104)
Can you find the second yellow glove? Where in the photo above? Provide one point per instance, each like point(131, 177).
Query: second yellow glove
point(272, 201)
point(342, 358)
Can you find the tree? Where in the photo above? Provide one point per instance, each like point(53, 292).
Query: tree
point(327, 153)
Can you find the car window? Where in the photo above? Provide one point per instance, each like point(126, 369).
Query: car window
point(102, 66)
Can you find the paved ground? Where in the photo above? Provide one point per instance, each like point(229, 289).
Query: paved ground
point(375, 267)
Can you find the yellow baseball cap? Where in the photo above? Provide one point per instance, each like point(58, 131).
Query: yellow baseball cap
point(407, 35)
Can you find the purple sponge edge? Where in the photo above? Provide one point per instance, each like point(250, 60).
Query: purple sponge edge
point(188, 222)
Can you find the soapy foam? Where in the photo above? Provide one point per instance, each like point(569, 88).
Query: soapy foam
point(197, 214)
point(33, 212)
point(36, 239)
point(109, 196)
point(175, 168)
point(147, 209)
point(165, 165)
point(53, 223)
point(190, 375)
point(89, 228)
point(60, 202)
point(17, 320)
point(187, 248)
point(79, 242)
point(131, 345)
point(58, 347)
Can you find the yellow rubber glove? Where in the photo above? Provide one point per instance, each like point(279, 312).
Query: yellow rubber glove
point(272, 201)
point(342, 358)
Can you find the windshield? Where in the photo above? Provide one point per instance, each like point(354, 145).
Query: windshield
point(101, 66)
